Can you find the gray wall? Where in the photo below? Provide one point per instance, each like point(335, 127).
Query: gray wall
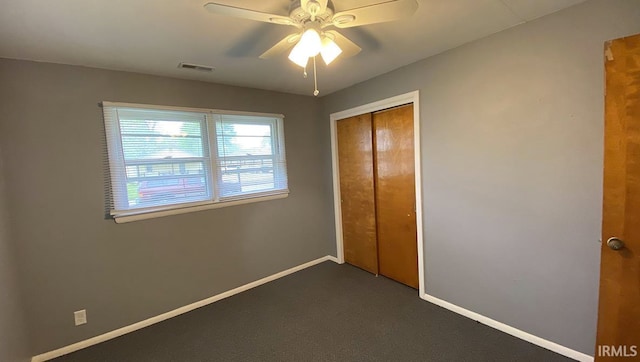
point(13, 336)
point(70, 258)
point(512, 139)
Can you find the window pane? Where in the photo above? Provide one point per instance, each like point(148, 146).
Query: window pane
point(243, 129)
point(166, 183)
point(166, 191)
point(147, 139)
point(164, 169)
point(246, 175)
point(166, 128)
point(244, 146)
point(244, 139)
point(140, 148)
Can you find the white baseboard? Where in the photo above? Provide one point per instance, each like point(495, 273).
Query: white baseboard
point(552, 346)
point(334, 259)
point(176, 312)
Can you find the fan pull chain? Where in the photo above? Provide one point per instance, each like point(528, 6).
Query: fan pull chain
point(304, 73)
point(315, 78)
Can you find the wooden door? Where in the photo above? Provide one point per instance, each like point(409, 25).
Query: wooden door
point(355, 155)
point(619, 308)
point(396, 194)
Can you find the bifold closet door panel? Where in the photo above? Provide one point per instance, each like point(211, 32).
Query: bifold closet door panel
point(396, 195)
point(355, 159)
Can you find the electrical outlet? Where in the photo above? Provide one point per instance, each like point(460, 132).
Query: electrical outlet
point(80, 317)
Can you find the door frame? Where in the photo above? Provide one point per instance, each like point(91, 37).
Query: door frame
point(411, 97)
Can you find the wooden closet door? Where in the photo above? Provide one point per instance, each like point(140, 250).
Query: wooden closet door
point(395, 194)
point(355, 161)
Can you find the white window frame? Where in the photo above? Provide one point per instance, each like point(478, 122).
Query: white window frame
point(120, 210)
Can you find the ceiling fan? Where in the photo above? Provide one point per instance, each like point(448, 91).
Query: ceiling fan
point(315, 20)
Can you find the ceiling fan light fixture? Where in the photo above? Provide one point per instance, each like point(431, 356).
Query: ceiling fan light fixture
point(330, 50)
point(299, 56)
point(310, 42)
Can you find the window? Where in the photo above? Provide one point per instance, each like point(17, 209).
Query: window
point(165, 160)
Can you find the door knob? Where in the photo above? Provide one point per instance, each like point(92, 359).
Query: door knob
point(615, 243)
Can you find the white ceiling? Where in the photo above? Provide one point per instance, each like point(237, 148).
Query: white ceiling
point(153, 36)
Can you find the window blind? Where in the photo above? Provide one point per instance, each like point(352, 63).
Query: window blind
point(161, 158)
point(250, 158)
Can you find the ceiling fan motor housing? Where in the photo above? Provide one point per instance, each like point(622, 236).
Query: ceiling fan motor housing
point(301, 16)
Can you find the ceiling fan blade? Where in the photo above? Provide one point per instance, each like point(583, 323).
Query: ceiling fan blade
point(376, 13)
point(348, 47)
point(282, 46)
point(249, 14)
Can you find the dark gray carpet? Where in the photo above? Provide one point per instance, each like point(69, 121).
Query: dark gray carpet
point(329, 312)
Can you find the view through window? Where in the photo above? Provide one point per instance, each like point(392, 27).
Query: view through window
point(159, 158)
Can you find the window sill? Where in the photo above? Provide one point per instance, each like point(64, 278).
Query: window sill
point(144, 215)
